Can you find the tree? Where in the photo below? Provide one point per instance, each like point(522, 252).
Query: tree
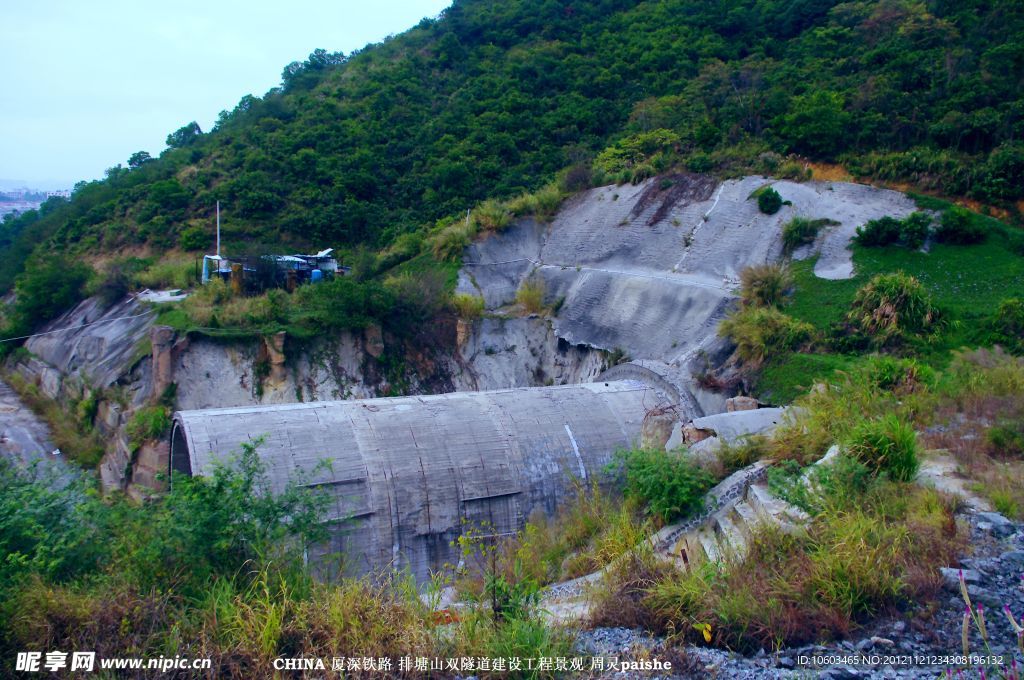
point(185, 135)
point(138, 159)
point(816, 123)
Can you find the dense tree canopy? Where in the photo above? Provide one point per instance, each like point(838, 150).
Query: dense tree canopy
point(492, 98)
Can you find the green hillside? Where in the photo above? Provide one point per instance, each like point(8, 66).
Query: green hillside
point(494, 98)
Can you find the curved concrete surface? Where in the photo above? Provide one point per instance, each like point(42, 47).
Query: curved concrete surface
point(406, 475)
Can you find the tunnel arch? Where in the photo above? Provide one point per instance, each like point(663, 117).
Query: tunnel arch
point(405, 475)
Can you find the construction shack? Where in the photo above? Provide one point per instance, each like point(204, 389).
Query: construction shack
point(407, 475)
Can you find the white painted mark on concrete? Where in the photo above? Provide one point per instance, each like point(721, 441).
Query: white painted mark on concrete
point(576, 450)
point(696, 228)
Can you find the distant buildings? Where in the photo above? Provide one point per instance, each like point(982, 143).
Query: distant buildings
point(21, 200)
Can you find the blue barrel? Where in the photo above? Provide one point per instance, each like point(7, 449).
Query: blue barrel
point(316, 276)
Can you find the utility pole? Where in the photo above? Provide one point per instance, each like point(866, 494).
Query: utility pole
point(218, 229)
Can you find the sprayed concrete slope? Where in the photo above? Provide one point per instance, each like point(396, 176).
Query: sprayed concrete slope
point(652, 269)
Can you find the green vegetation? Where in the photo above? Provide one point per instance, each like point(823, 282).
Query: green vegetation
point(768, 201)
point(494, 99)
point(71, 426)
point(959, 227)
point(668, 485)
point(923, 305)
point(873, 541)
point(468, 307)
point(886, 445)
point(761, 332)
point(46, 290)
point(218, 563)
point(891, 307)
point(912, 231)
point(801, 231)
point(1007, 325)
point(149, 422)
point(531, 294)
point(765, 285)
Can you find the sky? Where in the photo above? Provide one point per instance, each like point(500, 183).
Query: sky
point(85, 84)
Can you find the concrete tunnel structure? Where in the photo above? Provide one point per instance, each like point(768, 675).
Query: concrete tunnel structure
point(406, 474)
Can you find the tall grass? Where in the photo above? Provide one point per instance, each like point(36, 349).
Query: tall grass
point(765, 285)
point(530, 295)
point(886, 445)
point(761, 332)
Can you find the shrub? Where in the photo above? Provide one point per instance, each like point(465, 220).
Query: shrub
point(576, 178)
point(468, 306)
point(49, 287)
point(111, 286)
point(959, 227)
point(764, 285)
point(891, 306)
point(700, 163)
point(899, 376)
point(877, 233)
point(912, 231)
point(769, 201)
point(1007, 325)
point(667, 484)
point(801, 231)
point(531, 294)
point(886, 445)
point(762, 331)
point(194, 238)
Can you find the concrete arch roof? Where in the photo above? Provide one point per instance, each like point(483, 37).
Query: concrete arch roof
point(405, 475)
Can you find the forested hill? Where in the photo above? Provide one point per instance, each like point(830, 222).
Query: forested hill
point(494, 97)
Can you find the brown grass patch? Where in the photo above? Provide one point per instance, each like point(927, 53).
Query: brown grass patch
point(830, 172)
point(966, 433)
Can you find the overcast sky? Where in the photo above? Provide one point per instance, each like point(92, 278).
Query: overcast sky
point(86, 83)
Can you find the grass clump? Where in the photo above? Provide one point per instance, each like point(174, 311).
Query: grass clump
point(169, 272)
point(801, 231)
point(887, 445)
point(541, 204)
point(468, 307)
point(667, 484)
point(890, 308)
point(764, 285)
point(760, 332)
point(450, 241)
point(147, 423)
point(492, 215)
point(531, 294)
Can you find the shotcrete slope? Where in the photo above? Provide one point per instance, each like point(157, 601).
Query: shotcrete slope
point(651, 269)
